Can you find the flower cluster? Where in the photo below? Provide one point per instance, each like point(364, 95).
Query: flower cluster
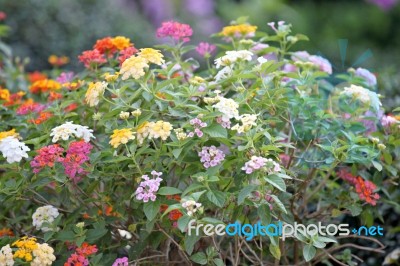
point(25, 246)
point(45, 214)
point(319, 62)
point(247, 120)
point(197, 124)
point(121, 136)
point(239, 31)
point(154, 130)
point(148, 188)
point(58, 61)
point(6, 256)
point(4, 94)
point(228, 108)
point(80, 257)
point(69, 129)
point(369, 78)
point(175, 30)
point(44, 85)
point(77, 155)
point(121, 262)
point(211, 156)
point(47, 156)
point(191, 206)
point(364, 188)
point(94, 92)
point(205, 49)
point(30, 106)
point(12, 149)
point(43, 255)
point(231, 57)
point(357, 92)
point(257, 162)
point(106, 48)
point(134, 66)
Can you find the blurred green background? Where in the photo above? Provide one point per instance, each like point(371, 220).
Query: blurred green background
point(67, 27)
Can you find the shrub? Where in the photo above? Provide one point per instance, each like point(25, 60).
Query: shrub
point(122, 159)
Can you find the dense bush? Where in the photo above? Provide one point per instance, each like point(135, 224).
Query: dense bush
point(116, 160)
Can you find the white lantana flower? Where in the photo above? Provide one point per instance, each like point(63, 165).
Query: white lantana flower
point(363, 95)
point(224, 73)
point(13, 150)
point(69, 129)
point(45, 214)
point(231, 57)
point(191, 206)
point(228, 107)
point(43, 255)
point(248, 120)
point(6, 256)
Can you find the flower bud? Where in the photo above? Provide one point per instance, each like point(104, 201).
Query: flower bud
point(381, 146)
point(124, 115)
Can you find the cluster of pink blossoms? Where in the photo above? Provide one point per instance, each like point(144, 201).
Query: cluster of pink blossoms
point(198, 124)
point(147, 189)
point(76, 156)
point(30, 107)
point(121, 262)
point(257, 162)
point(176, 30)
point(205, 49)
point(47, 156)
point(211, 156)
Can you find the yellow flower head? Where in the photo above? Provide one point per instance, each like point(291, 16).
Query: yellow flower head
point(152, 56)
point(121, 42)
point(142, 131)
point(25, 247)
point(160, 129)
point(4, 94)
point(133, 66)
point(111, 77)
point(241, 30)
point(121, 136)
point(94, 92)
point(45, 85)
point(10, 133)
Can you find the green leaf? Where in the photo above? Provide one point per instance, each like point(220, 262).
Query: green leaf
point(377, 165)
point(169, 191)
point(218, 262)
point(151, 209)
point(176, 152)
point(275, 251)
point(199, 258)
point(279, 203)
point(354, 209)
point(216, 197)
point(276, 181)
point(309, 252)
point(190, 241)
point(388, 158)
point(191, 188)
point(216, 131)
point(264, 213)
point(183, 222)
point(245, 192)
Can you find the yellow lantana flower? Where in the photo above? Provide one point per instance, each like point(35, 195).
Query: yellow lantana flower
point(152, 56)
point(121, 42)
point(133, 66)
point(94, 92)
point(121, 136)
point(10, 133)
point(4, 94)
point(238, 30)
point(25, 247)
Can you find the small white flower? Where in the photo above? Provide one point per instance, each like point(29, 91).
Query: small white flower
point(43, 255)
point(69, 129)
point(45, 214)
point(6, 256)
point(125, 234)
point(228, 107)
point(124, 115)
point(232, 57)
point(13, 150)
point(224, 73)
point(191, 206)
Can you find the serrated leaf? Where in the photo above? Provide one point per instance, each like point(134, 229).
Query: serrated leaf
point(151, 209)
point(279, 203)
point(216, 197)
point(276, 181)
point(216, 131)
point(199, 258)
point(245, 192)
